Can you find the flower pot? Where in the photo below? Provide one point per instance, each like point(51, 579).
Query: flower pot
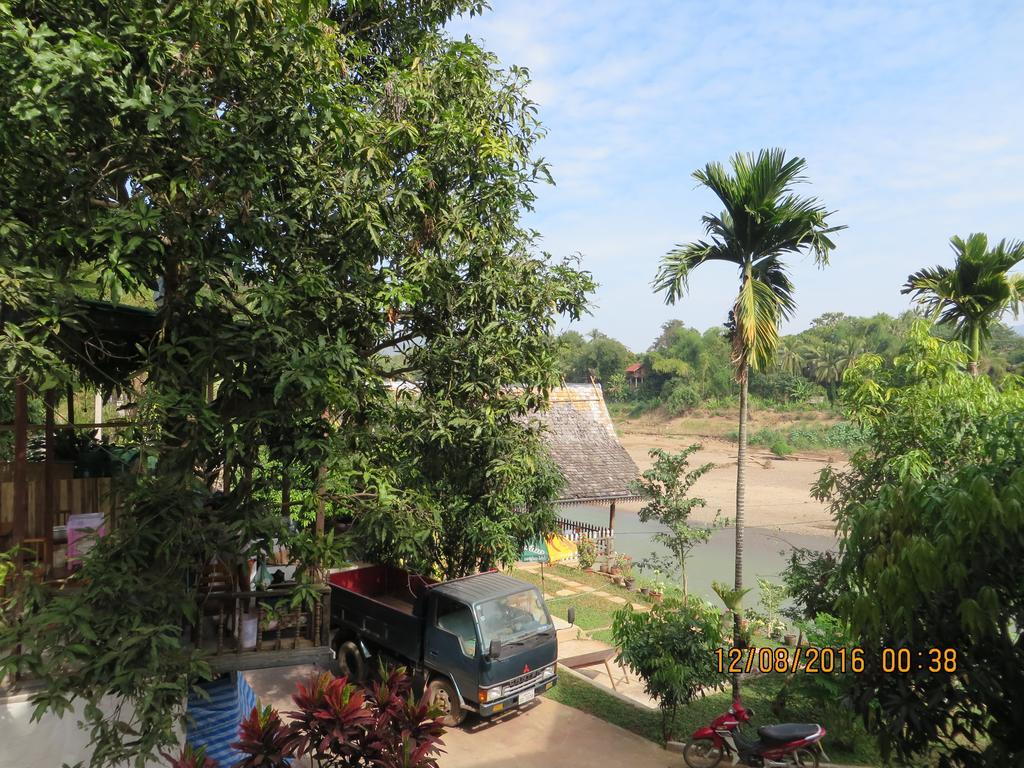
point(631, 585)
point(656, 597)
point(645, 590)
point(789, 639)
point(615, 571)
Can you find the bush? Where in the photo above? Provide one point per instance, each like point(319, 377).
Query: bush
point(782, 448)
point(671, 649)
point(832, 694)
point(338, 725)
point(681, 399)
point(586, 553)
point(810, 579)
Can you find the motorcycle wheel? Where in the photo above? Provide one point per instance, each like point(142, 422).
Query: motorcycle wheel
point(702, 753)
point(805, 758)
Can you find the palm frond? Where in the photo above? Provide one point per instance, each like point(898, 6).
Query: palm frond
point(673, 275)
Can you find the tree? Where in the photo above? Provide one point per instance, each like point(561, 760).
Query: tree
point(327, 196)
point(763, 220)
point(598, 357)
point(671, 648)
point(664, 488)
point(931, 515)
point(827, 362)
point(972, 296)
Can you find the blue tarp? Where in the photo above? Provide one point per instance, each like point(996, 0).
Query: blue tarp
point(214, 721)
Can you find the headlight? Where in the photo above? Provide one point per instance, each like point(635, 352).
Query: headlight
point(494, 693)
point(548, 672)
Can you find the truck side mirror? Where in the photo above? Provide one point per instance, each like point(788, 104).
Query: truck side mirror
point(494, 651)
point(572, 614)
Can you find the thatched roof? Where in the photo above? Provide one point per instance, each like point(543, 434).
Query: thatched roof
point(581, 437)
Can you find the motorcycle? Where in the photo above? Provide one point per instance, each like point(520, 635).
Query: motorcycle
point(789, 744)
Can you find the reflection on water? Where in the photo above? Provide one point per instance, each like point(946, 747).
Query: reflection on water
point(765, 550)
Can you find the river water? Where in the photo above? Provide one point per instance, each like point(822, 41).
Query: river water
point(765, 550)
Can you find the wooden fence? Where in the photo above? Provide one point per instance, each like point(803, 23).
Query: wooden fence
point(575, 530)
point(71, 496)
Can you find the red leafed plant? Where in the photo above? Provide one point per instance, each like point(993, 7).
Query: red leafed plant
point(265, 740)
point(343, 726)
point(339, 725)
point(190, 758)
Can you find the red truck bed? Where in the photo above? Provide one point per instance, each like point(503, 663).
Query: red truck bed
point(381, 602)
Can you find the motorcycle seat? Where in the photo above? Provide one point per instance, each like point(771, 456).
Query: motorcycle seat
point(787, 732)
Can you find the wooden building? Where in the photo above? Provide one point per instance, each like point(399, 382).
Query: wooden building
point(581, 438)
point(635, 374)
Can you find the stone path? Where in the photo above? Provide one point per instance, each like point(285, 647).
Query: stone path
point(573, 641)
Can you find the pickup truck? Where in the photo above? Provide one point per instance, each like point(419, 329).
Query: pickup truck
point(483, 643)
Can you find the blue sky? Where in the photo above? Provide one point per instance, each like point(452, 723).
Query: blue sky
point(910, 115)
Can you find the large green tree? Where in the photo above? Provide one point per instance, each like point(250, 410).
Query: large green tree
point(763, 220)
point(971, 296)
point(931, 518)
point(324, 195)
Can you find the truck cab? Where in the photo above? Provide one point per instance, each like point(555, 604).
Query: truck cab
point(483, 643)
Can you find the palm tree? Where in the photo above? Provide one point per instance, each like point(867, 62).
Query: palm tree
point(828, 361)
point(763, 221)
point(972, 295)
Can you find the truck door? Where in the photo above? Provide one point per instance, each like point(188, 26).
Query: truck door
point(451, 645)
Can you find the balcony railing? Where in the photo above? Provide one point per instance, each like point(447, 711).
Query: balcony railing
point(258, 629)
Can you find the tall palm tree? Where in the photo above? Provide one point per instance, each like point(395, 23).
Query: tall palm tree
point(972, 295)
point(763, 221)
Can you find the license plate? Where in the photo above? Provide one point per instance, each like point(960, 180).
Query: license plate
point(525, 697)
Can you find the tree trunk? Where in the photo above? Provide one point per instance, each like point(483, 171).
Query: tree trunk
point(741, 487)
point(682, 573)
point(972, 365)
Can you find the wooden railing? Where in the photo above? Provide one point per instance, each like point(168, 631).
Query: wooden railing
point(253, 629)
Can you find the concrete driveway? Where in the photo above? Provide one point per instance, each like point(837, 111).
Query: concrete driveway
point(550, 734)
point(545, 733)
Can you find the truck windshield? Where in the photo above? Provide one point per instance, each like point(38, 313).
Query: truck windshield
point(512, 617)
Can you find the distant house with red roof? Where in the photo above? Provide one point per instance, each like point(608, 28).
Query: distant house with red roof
point(635, 374)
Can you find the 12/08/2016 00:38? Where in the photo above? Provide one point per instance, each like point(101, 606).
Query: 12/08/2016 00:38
point(827, 660)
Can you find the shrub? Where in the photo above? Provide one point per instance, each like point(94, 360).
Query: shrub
point(810, 579)
point(586, 553)
point(782, 448)
point(681, 399)
point(339, 725)
point(831, 694)
point(671, 649)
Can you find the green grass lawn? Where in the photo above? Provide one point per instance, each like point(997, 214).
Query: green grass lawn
point(758, 694)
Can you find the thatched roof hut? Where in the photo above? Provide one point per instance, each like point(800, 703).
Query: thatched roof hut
point(582, 440)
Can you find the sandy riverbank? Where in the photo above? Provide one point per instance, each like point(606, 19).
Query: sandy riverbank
point(778, 490)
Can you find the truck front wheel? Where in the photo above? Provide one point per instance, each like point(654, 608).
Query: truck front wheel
point(444, 696)
point(350, 661)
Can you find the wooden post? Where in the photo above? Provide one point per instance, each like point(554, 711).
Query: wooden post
point(19, 523)
point(611, 517)
point(71, 404)
point(98, 414)
point(49, 489)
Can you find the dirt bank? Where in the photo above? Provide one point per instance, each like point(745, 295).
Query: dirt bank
point(778, 490)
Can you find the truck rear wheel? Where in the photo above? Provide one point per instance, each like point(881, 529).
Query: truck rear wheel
point(444, 696)
point(350, 661)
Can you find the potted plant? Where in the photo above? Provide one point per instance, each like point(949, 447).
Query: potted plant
point(789, 639)
point(625, 563)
